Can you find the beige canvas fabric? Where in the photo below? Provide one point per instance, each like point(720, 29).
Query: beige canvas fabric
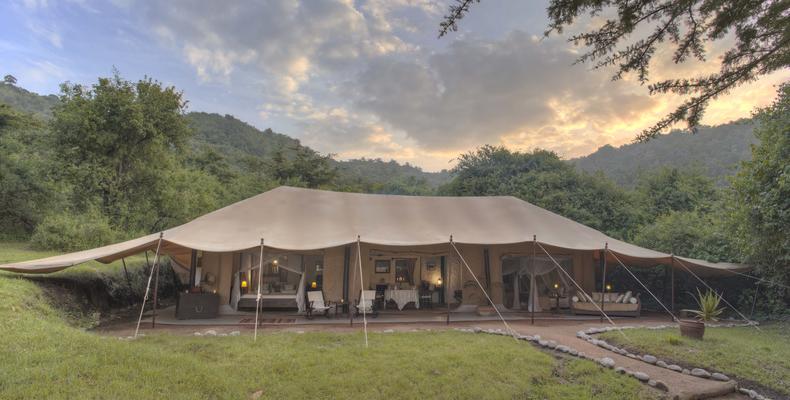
point(290, 218)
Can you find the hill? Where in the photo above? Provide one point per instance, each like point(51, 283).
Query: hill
point(26, 101)
point(237, 140)
point(716, 151)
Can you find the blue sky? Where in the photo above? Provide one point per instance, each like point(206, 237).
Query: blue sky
point(356, 78)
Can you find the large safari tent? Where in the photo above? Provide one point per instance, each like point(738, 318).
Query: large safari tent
point(461, 250)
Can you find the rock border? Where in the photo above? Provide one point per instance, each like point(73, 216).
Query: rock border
point(552, 345)
point(586, 335)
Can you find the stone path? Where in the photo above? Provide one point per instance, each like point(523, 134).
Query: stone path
point(679, 385)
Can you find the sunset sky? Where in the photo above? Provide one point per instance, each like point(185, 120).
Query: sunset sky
point(359, 78)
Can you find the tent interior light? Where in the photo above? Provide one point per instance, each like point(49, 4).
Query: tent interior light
point(244, 283)
point(608, 286)
point(313, 285)
point(439, 282)
point(556, 286)
point(275, 262)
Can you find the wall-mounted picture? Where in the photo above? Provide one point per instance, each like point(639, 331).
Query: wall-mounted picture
point(382, 266)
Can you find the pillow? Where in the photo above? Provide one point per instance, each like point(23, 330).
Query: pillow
point(620, 298)
point(632, 300)
point(627, 297)
point(596, 296)
point(575, 299)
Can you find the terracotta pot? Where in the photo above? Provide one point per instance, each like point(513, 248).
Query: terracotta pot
point(692, 328)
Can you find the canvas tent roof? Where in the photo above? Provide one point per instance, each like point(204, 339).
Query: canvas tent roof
point(305, 219)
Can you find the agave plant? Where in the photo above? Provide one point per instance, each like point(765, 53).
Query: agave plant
point(708, 303)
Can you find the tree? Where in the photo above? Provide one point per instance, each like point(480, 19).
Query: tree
point(762, 42)
point(542, 178)
point(9, 79)
point(668, 190)
point(761, 215)
point(118, 142)
point(302, 167)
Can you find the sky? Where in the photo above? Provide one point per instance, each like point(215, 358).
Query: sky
point(365, 78)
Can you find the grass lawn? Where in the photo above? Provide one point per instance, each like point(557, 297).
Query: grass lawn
point(762, 357)
point(42, 356)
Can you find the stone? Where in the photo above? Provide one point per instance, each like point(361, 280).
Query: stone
point(300, 332)
point(543, 343)
point(629, 355)
point(562, 348)
point(552, 344)
point(651, 383)
point(607, 362)
point(235, 333)
point(573, 352)
point(198, 334)
point(649, 359)
point(620, 370)
point(536, 337)
point(700, 373)
point(477, 329)
point(661, 364)
point(720, 377)
point(660, 385)
point(211, 332)
point(223, 334)
point(686, 371)
point(388, 331)
point(641, 376)
point(675, 367)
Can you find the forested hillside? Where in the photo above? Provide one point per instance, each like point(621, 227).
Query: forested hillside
point(715, 151)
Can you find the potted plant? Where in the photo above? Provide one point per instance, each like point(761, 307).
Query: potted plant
point(709, 310)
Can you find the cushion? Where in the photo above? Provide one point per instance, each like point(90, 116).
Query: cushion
point(632, 300)
point(596, 296)
point(620, 298)
point(575, 299)
point(627, 297)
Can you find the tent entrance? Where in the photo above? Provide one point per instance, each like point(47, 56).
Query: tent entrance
point(533, 283)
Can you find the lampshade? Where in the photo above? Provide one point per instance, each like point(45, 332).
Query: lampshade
point(244, 284)
point(439, 281)
point(313, 285)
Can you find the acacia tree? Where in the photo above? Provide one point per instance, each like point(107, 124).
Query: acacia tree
point(761, 42)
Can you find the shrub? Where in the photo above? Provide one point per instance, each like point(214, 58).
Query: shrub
point(70, 232)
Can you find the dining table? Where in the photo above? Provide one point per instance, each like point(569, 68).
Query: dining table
point(402, 297)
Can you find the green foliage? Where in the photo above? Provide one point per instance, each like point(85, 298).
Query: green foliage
point(68, 231)
point(761, 206)
point(27, 102)
point(541, 178)
point(25, 185)
point(708, 306)
point(671, 190)
point(115, 142)
point(727, 145)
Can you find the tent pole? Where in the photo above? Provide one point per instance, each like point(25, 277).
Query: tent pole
point(156, 291)
point(754, 302)
point(643, 285)
point(126, 273)
point(559, 267)
point(447, 287)
point(603, 278)
point(258, 297)
point(721, 297)
point(672, 281)
point(461, 257)
point(362, 291)
point(148, 286)
point(531, 295)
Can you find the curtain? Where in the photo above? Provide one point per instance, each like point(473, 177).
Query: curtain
point(540, 266)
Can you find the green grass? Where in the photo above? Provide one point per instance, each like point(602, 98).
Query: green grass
point(762, 356)
point(42, 356)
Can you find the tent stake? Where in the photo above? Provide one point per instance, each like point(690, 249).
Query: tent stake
point(148, 286)
point(362, 291)
point(463, 260)
point(258, 297)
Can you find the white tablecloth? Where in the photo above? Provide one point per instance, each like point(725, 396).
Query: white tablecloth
point(401, 297)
